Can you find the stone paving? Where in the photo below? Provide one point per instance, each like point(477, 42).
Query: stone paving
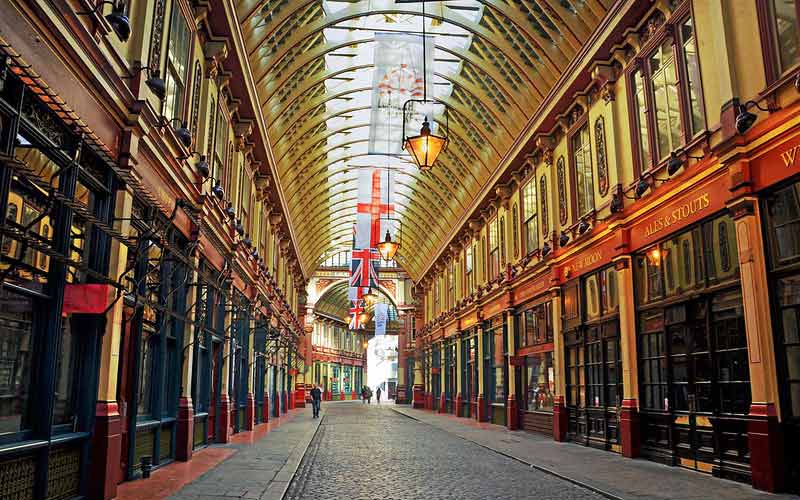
point(259, 469)
point(372, 452)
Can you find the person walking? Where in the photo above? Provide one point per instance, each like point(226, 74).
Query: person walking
point(378, 395)
point(316, 400)
point(363, 394)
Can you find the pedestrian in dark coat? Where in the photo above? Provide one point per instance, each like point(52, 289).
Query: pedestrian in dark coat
point(316, 400)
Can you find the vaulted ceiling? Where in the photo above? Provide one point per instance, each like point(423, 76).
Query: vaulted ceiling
point(312, 63)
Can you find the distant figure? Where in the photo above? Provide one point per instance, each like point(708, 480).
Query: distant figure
point(378, 395)
point(316, 400)
point(369, 396)
point(363, 394)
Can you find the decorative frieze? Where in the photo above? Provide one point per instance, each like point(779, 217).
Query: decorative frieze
point(602, 162)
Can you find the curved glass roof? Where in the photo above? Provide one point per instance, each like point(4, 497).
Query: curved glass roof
point(313, 62)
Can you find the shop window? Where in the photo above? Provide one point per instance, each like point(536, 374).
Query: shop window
point(177, 63)
point(783, 209)
point(536, 325)
point(653, 360)
point(666, 94)
point(530, 216)
point(16, 355)
point(539, 380)
point(570, 298)
point(582, 171)
point(67, 374)
point(788, 295)
point(601, 293)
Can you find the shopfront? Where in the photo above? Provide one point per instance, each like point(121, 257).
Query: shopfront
point(469, 373)
point(450, 374)
point(781, 208)
point(55, 192)
point(207, 349)
point(239, 352)
point(436, 375)
point(495, 369)
point(260, 328)
point(535, 347)
point(694, 379)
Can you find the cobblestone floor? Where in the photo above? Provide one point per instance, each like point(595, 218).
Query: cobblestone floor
point(372, 452)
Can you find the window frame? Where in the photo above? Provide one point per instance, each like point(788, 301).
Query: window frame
point(670, 30)
point(493, 249)
point(181, 105)
point(534, 217)
point(580, 126)
point(775, 76)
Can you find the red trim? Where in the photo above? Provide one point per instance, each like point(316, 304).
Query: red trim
point(535, 349)
point(629, 428)
point(184, 440)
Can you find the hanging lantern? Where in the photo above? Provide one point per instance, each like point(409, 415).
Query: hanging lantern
point(370, 297)
point(425, 147)
point(387, 248)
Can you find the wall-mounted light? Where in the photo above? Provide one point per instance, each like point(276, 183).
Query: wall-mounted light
point(655, 255)
point(181, 131)
point(217, 191)
point(239, 227)
point(641, 187)
point(154, 82)
point(117, 19)
point(201, 165)
point(564, 239)
point(616, 203)
point(546, 249)
point(677, 159)
point(230, 211)
point(745, 119)
point(583, 226)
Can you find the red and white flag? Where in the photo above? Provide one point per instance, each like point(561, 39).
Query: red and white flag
point(374, 207)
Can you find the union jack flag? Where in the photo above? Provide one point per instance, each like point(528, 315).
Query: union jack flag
point(362, 268)
point(355, 315)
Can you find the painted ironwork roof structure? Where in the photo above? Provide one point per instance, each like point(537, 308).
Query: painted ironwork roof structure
point(312, 63)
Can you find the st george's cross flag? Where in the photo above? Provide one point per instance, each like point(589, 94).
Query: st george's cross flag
point(373, 208)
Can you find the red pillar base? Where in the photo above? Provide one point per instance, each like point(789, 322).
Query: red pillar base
point(341, 395)
point(265, 409)
point(442, 404)
point(184, 439)
point(419, 398)
point(284, 402)
point(512, 413)
point(481, 413)
point(401, 398)
point(473, 408)
point(224, 419)
point(354, 396)
point(277, 411)
point(291, 401)
point(250, 412)
point(765, 440)
point(300, 396)
point(459, 403)
point(629, 428)
point(559, 419)
point(106, 451)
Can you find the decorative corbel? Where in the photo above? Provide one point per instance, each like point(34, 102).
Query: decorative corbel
point(503, 193)
point(215, 50)
point(546, 145)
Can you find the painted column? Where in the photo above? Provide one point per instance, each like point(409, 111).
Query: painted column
point(224, 409)
point(763, 433)
point(106, 446)
point(402, 362)
point(512, 406)
point(184, 438)
point(442, 377)
point(481, 406)
point(630, 437)
point(459, 401)
point(250, 404)
point(419, 390)
point(559, 408)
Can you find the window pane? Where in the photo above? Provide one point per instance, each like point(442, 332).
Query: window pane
point(16, 350)
point(641, 107)
point(786, 33)
point(66, 376)
point(698, 121)
point(177, 63)
point(665, 96)
point(583, 171)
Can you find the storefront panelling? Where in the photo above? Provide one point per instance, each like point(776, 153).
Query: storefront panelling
point(537, 388)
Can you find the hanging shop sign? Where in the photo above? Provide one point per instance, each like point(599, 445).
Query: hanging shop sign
point(516, 360)
point(86, 298)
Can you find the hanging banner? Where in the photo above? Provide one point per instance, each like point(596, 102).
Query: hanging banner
point(381, 317)
point(398, 77)
point(374, 206)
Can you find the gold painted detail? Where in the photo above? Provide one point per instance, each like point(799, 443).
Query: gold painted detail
point(678, 214)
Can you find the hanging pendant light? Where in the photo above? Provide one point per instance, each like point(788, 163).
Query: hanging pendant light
point(425, 147)
point(387, 248)
point(370, 297)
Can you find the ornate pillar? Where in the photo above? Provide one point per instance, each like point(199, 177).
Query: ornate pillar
point(184, 438)
point(512, 406)
point(459, 402)
point(764, 434)
point(419, 389)
point(250, 403)
point(442, 377)
point(224, 404)
point(402, 361)
point(481, 413)
point(559, 409)
point(629, 414)
point(106, 449)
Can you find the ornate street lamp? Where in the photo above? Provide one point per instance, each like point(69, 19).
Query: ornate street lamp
point(370, 297)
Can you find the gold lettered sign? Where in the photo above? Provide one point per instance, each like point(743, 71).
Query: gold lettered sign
point(677, 214)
